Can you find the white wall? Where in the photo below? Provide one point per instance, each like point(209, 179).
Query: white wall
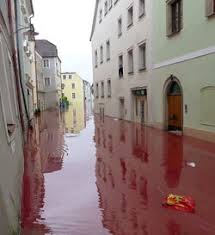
point(108, 30)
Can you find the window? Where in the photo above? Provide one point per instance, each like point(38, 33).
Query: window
point(115, 1)
point(73, 85)
point(100, 16)
point(73, 95)
point(121, 66)
point(101, 54)
point(102, 90)
point(130, 16)
point(109, 88)
point(141, 8)
point(108, 50)
point(110, 4)
point(119, 27)
point(47, 82)
point(174, 16)
point(130, 61)
point(64, 76)
point(97, 90)
point(46, 63)
point(106, 7)
point(70, 76)
point(210, 7)
point(142, 56)
point(96, 59)
point(207, 110)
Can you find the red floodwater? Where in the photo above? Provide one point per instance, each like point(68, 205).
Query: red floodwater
point(113, 178)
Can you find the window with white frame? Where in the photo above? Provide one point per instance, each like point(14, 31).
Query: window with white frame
point(73, 95)
point(70, 76)
point(97, 90)
point(109, 88)
point(46, 63)
point(102, 90)
point(110, 4)
point(209, 7)
point(174, 16)
point(101, 54)
point(130, 61)
point(130, 16)
point(119, 26)
point(108, 50)
point(47, 82)
point(96, 58)
point(106, 7)
point(73, 85)
point(100, 16)
point(120, 66)
point(141, 8)
point(142, 56)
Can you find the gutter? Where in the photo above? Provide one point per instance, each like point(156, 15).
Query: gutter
point(19, 64)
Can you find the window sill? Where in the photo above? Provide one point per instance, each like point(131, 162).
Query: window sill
point(129, 25)
point(131, 73)
point(172, 34)
point(142, 69)
point(141, 16)
point(121, 77)
point(211, 16)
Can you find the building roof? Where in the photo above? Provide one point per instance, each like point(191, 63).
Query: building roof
point(46, 48)
point(94, 19)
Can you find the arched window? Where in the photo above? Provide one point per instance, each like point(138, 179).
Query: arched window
point(174, 89)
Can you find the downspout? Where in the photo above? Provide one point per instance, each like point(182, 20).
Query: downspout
point(15, 67)
point(19, 65)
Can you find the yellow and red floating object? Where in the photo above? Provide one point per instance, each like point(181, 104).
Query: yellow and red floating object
point(180, 203)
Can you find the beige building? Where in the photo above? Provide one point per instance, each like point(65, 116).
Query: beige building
point(121, 48)
point(73, 90)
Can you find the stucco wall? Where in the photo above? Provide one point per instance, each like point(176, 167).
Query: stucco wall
point(108, 30)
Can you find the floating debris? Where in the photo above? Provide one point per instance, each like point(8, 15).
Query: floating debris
point(180, 203)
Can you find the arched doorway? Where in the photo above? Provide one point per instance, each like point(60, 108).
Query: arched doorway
point(174, 106)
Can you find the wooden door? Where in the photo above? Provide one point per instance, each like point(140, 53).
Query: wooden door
point(175, 112)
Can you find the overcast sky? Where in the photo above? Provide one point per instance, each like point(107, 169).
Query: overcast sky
point(67, 24)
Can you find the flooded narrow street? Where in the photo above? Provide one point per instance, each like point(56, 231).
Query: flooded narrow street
point(98, 177)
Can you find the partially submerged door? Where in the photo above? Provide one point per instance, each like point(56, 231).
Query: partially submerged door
point(175, 111)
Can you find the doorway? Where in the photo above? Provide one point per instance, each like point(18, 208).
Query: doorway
point(174, 107)
point(122, 108)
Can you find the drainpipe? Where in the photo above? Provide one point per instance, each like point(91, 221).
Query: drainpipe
point(19, 65)
point(16, 73)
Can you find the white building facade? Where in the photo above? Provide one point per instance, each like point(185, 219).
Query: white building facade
point(88, 101)
point(51, 72)
point(121, 48)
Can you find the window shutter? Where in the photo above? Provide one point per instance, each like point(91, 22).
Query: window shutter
point(168, 20)
point(209, 7)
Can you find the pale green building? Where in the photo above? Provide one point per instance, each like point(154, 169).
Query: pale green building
point(183, 78)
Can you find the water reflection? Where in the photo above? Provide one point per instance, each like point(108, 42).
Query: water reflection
point(44, 153)
point(138, 169)
point(74, 118)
